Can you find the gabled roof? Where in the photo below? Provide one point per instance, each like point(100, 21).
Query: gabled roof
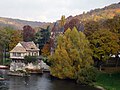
point(24, 46)
point(18, 48)
point(29, 45)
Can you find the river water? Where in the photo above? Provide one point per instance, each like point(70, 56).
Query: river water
point(38, 82)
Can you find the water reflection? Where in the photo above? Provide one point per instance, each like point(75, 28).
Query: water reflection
point(38, 82)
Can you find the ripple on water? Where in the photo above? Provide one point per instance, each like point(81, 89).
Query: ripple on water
point(39, 82)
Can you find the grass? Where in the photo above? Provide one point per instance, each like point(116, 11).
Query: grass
point(109, 81)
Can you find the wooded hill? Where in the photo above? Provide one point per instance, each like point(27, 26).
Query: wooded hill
point(18, 24)
point(107, 12)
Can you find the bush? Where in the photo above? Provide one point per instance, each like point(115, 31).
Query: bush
point(87, 75)
point(45, 59)
point(30, 59)
point(7, 62)
point(7, 55)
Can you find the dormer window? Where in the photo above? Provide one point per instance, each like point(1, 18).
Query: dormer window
point(32, 48)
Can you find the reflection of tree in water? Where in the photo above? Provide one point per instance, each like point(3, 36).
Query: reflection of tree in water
point(3, 85)
point(26, 80)
point(40, 82)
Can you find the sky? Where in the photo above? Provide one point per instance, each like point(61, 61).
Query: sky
point(48, 10)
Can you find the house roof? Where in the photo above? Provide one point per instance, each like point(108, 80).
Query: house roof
point(25, 46)
point(29, 45)
point(18, 49)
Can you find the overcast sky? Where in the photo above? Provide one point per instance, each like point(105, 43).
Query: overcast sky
point(48, 10)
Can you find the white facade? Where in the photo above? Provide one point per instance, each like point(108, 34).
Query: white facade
point(17, 55)
point(19, 52)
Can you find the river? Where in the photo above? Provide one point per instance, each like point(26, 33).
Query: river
point(38, 82)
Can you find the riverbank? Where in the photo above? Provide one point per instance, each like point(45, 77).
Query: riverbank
point(3, 67)
point(39, 82)
point(108, 81)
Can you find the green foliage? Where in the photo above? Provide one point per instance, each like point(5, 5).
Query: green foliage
point(7, 35)
point(8, 39)
point(7, 62)
point(87, 75)
point(30, 59)
point(103, 43)
point(104, 37)
point(42, 37)
point(71, 55)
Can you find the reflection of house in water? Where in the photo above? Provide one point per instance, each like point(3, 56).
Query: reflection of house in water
point(18, 53)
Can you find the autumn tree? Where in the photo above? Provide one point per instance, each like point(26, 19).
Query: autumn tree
point(113, 25)
point(71, 55)
point(4, 42)
point(91, 27)
point(74, 23)
point(16, 36)
point(104, 43)
point(28, 33)
point(46, 50)
point(9, 37)
point(62, 21)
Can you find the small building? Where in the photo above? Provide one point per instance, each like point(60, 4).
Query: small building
point(23, 49)
point(18, 53)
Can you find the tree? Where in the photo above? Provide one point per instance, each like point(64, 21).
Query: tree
point(30, 59)
point(113, 25)
point(46, 50)
point(62, 22)
point(91, 27)
point(71, 55)
point(6, 40)
point(16, 37)
point(74, 23)
point(104, 43)
point(87, 75)
point(28, 33)
point(4, 43)
point(42, 37)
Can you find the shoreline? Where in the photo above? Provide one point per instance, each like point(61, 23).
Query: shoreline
point(99, 87)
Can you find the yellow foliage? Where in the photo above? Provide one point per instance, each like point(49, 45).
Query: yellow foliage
point(71, 54)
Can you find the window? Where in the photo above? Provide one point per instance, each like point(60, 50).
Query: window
point(17, 54)
point(35, 53)
point(29, 54)
point(14, 54)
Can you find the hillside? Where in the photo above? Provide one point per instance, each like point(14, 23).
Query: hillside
point(18, 24)
point(99, 14)
point(94, 15)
